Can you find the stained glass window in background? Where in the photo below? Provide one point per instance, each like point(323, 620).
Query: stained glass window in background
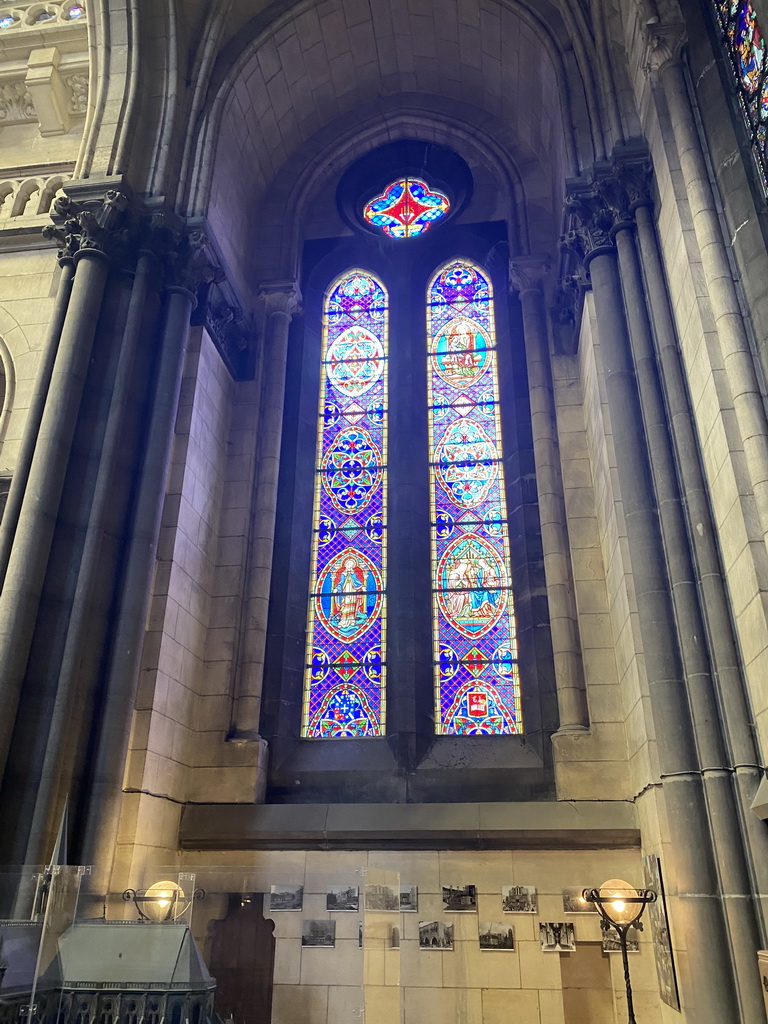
point(344, 691)
point(475, 649)
point(406, 208)
point(746, 47)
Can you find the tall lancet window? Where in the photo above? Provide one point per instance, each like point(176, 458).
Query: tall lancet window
point(745, 44)
point(475, 651)
point(344, 689)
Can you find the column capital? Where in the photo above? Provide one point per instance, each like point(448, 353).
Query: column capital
point(663, 45)
point(96, 227)
point(592, 219)
point(280, 297)
point(529, 273)
point(634, 175)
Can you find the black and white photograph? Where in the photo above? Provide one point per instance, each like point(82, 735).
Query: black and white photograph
point(662, 945)
point(343, 898)
point(496, 936)
point(318, 933)
point(557, 937)
point(459, 898)
point(409, 899)
point(382, 897)
point(435, 935)
point(519, 899)
point(611, 942)
point(574, 902)
point(360, 934)
point(286, 897)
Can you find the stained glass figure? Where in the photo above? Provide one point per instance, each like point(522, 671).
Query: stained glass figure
point(745, 45)
point(344, 677)
point(475, 648)
point(406, 208)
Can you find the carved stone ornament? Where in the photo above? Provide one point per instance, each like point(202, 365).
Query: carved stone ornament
point(663, 45)
point(592, 220)
point(529, 272)
point(634, 176)
point(191, 265)
point(77, 93)
point(280, 297)
point(16, 104)
point(98, 227)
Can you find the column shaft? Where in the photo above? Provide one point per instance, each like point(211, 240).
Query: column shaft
point(699, 910)
point(113, 731)
point(35, 415)
point(723, 813)
point(250, 669)
point(564, 626)
point(744, 755)
point(57, 766)
point(738, 361)
point(37, 519)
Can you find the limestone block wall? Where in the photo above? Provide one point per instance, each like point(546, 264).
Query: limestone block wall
point(408, 984)
point(712, 398)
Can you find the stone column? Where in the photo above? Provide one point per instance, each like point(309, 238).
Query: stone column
point(711, 995)
point(714, 759)
point(91, 235)
point(527, 275)
point(108, 766)
point(738, 363)
point(281, 300)
point(745, 757)
point(35, 413)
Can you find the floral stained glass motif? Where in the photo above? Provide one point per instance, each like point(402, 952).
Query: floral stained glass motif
point(475, 648)
point(406, 208)
point(344, 679)
point(746, 48)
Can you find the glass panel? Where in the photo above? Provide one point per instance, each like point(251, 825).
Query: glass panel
point(344, 691)
point(744, 42)
point(406, 208)
point(475, 652)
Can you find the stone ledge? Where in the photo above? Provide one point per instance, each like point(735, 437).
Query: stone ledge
point(584, 825)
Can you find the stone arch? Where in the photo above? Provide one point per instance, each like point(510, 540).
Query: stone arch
point(23, 196)
point(7, 374)
point(48, 193)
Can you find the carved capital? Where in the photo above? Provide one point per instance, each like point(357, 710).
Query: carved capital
point(98, 227)
point(635, 178)
point(592, 220)
point(280, 297)
point(663, 45)
point(528, 273)
point(191, 263)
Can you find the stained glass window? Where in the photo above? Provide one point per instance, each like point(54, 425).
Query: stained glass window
point(406, 208)
point(344, 691)
point(475, 648)
point(745, 44)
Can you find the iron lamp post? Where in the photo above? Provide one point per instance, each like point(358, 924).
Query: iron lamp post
point(621, 906)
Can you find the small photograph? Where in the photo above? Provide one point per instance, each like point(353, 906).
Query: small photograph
point(495, 935)
point(318, 933)
point(459, 898)
point(611, 942)
point(409, 899)
point(557, 937)
point(343, 897)
point(381, 897)
point(519, 899)
point(286, 897)
point(574, 902)
point(435, 935)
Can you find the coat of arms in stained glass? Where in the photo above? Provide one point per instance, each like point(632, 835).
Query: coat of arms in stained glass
point(344, 677)
point(475, 648)
point(406, 207)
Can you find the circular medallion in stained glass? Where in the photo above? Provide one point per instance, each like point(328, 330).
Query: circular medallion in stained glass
point(406, 208)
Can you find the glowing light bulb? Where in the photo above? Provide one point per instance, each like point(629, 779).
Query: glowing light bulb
point(618, 905)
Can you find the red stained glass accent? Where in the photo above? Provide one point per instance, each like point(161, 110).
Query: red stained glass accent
point(406, 208)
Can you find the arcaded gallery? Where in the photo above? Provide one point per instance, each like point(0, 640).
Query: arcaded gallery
point(384, 490)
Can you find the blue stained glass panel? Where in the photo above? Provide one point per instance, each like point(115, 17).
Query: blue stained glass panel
point(344, 682)
point(477, 687)
point(745, 45)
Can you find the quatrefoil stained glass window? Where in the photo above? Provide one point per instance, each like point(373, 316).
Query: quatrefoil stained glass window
point(406, 208)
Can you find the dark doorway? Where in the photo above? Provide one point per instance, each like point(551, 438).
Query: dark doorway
point(242, 961)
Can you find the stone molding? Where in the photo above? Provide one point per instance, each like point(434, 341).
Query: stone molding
point(26, 17)
point(529, 272)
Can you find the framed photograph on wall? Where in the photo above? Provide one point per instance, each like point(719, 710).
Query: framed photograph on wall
point(519, 899)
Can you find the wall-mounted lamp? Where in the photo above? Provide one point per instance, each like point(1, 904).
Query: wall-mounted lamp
point(162, 901)
point(621, 906)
